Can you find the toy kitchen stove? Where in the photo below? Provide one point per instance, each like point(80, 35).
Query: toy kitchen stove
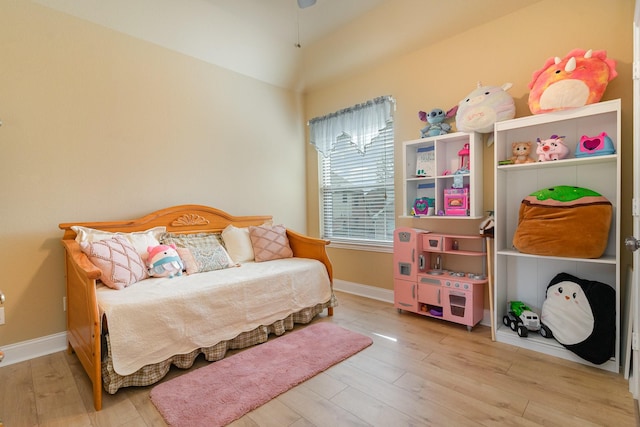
point(421, 283)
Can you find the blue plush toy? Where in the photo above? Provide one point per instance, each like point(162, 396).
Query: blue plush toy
point(435, 119)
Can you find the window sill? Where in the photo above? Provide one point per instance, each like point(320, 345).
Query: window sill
point(371, 247)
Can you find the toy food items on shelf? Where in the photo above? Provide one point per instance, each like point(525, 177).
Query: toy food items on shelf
point(599, 145)
point(552, 148)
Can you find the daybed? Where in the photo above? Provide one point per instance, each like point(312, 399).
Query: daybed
point(131, 336)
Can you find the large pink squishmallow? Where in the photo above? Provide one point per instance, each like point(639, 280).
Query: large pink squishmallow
point(575, 81)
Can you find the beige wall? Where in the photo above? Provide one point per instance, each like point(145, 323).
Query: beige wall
point(440, 75)
point(98, 126)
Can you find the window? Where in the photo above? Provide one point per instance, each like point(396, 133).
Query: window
point(357, 175)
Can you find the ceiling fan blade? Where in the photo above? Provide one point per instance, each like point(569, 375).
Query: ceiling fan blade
point(306, 3)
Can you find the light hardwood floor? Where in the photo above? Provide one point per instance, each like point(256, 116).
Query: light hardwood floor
point(418, 372)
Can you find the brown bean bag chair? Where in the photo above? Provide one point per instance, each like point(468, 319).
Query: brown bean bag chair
point(564, 221)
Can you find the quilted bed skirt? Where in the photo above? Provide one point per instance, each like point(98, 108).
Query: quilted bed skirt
point(151, 374)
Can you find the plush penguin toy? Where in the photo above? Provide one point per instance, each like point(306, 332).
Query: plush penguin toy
point(581, 314)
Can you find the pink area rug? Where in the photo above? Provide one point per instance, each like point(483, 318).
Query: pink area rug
point(229, 388)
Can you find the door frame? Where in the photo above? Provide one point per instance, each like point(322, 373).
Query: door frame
point(632, 294)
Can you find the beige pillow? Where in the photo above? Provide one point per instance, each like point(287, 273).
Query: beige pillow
point(190, 264)
point(205, 253)
point(270, 242)
point(140, 240)
point(238, 243)
point(117, 259)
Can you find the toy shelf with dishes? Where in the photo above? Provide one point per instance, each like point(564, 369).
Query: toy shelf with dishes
point(442, 176)
point(521, 276)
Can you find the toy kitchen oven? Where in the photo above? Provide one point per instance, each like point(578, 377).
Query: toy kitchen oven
point(423, 285)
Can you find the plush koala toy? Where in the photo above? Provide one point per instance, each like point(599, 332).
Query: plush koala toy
point(163, 261)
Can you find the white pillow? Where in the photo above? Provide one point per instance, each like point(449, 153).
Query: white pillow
point(238, 243)
point(140, 240)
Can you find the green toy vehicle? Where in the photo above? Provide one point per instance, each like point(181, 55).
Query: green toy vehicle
point(522, 319)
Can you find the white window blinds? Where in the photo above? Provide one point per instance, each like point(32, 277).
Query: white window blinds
point(357, 177)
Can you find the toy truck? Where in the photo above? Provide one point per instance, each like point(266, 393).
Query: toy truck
point(522, 319)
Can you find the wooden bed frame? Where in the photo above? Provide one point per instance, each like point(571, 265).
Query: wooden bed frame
point(83, 317)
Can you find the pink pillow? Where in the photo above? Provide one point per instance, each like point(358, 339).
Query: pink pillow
point(270, 242)
point(118, 261)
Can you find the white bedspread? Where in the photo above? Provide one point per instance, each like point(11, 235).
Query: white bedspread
point(157, 318)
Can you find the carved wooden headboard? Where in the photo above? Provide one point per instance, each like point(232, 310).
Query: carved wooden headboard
point(177, 219)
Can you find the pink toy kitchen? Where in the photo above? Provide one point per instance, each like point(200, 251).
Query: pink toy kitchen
point(434, 277)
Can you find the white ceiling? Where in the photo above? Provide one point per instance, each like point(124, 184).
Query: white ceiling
point(280, 18)
point(258, 38)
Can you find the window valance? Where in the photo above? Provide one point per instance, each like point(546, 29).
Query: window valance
point(360, 123)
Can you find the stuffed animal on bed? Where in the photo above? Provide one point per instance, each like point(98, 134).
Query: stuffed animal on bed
point(163, 261)
point(577, 80)
point(484, 106)
point(581, 315)
point(435, 119)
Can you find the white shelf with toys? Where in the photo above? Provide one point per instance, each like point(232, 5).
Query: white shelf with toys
point(524, 277)
point(442, 176)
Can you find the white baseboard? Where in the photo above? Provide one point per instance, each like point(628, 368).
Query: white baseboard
point(26, 350)
point(366, 291)
point(385, 295)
